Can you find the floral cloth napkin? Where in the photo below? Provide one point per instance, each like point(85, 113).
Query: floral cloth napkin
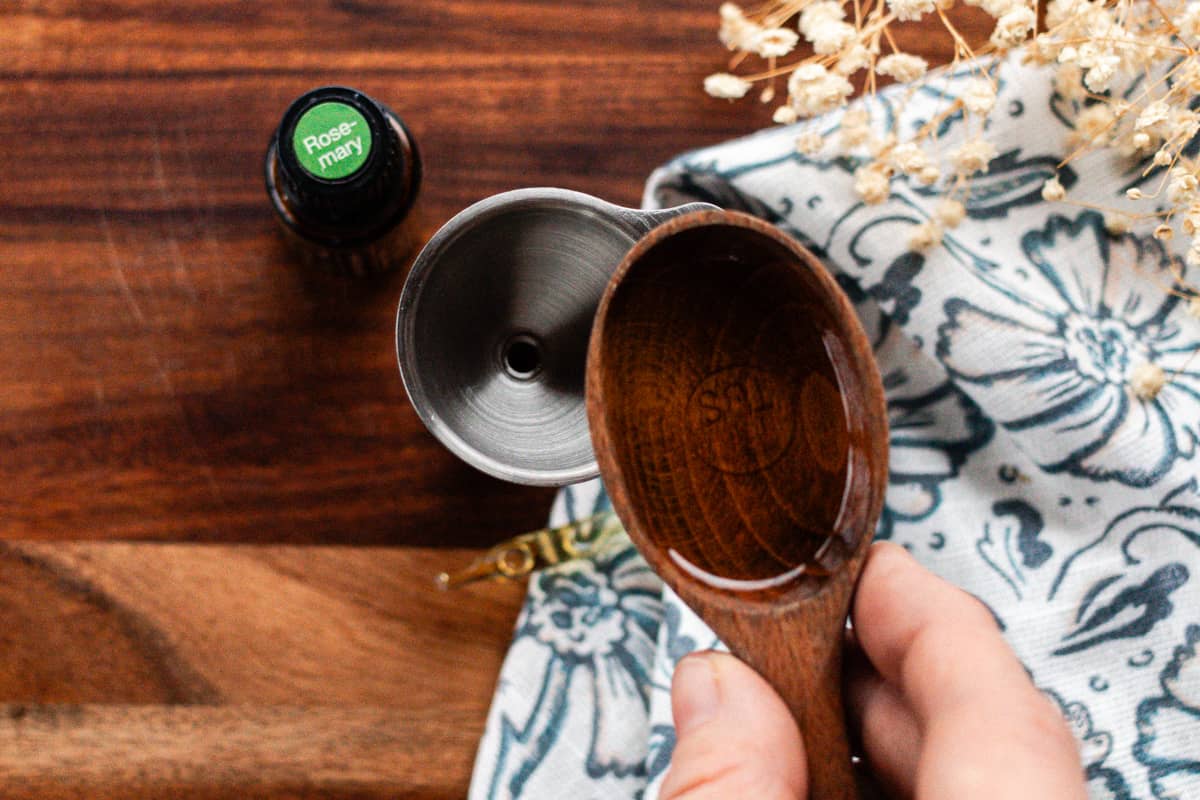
point(1024, 468)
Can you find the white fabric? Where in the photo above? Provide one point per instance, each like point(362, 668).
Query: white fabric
point(1023, 467)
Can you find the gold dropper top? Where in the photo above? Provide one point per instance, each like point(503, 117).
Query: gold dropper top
point(519, 556)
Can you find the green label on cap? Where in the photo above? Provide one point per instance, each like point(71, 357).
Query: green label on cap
point(332, 140)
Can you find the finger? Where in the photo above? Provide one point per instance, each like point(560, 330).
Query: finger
point(887, 728)
point(987, 731)
point(930, 639)
point(734, 735)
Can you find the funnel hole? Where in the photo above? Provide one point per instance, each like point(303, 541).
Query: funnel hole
point(522, 357)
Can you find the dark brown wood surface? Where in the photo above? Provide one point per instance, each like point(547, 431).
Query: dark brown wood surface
point(192, 429)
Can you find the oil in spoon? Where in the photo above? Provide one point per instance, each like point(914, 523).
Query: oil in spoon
point(751, 440)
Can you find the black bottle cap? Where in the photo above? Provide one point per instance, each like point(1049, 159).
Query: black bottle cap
point(344, 166)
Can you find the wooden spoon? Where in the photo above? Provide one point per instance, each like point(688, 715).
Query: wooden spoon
point(740, 426)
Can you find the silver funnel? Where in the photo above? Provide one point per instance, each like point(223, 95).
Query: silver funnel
point(493, 325)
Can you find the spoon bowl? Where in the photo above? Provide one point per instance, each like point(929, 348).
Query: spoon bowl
point(740, 425)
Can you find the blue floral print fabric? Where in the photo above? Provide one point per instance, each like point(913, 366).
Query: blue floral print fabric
point(1023, 467)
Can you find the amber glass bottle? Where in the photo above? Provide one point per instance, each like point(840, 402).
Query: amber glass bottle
point(343, 173)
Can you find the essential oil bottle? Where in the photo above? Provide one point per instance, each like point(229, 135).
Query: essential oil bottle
point(343, 173)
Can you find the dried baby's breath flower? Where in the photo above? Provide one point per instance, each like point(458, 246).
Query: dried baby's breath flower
point(909, 158)
point(736, 30)
point(1147, 380)
point(815, 14)
point(1013, 27)
point(950, 212)
point(880, 146)
point(929, 176)
point(855, 128)
point(1068, 82)
point(1188, 75)
point(829, 35)
point(1135, 193)
point(994, 8)
point(1184, 124)
point(973, 156)
point(814, 90)
point(1092, 125)
point(1053, 191)
point(872, 182)
point(822, 25)
point(1189, 25)
point(832, 37)
point(853, 136)
point(979, 97)
point(774, 42)
point(852, 59)
point(901, 66)
point(1182, 187)
point(1152, 116)
point(925, 236)
point(856, 117)
point(1100, 75)
point(1191, 220)
point(1116, 224)
point(907, 10)
point(1164, 232)
point(809, 143)
point(726, 86)
point(784, 115)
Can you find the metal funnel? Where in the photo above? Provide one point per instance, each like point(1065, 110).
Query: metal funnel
point(493, 325)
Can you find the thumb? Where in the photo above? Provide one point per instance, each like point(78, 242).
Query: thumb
point(734, 735)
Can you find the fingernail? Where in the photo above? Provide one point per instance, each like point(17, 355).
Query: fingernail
point(696, 697)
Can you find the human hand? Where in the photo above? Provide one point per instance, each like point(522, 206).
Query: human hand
point(941, 705)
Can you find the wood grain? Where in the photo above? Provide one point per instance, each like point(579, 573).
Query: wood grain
point(740, 425)
point(169, 374)
point(150, 670)
point(201, 753)
point(277, 625)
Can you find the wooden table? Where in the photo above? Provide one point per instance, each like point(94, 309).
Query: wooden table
point(221, 516)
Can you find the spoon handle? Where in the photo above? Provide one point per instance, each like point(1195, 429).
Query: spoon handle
point(799, 652)
point(815, 699)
